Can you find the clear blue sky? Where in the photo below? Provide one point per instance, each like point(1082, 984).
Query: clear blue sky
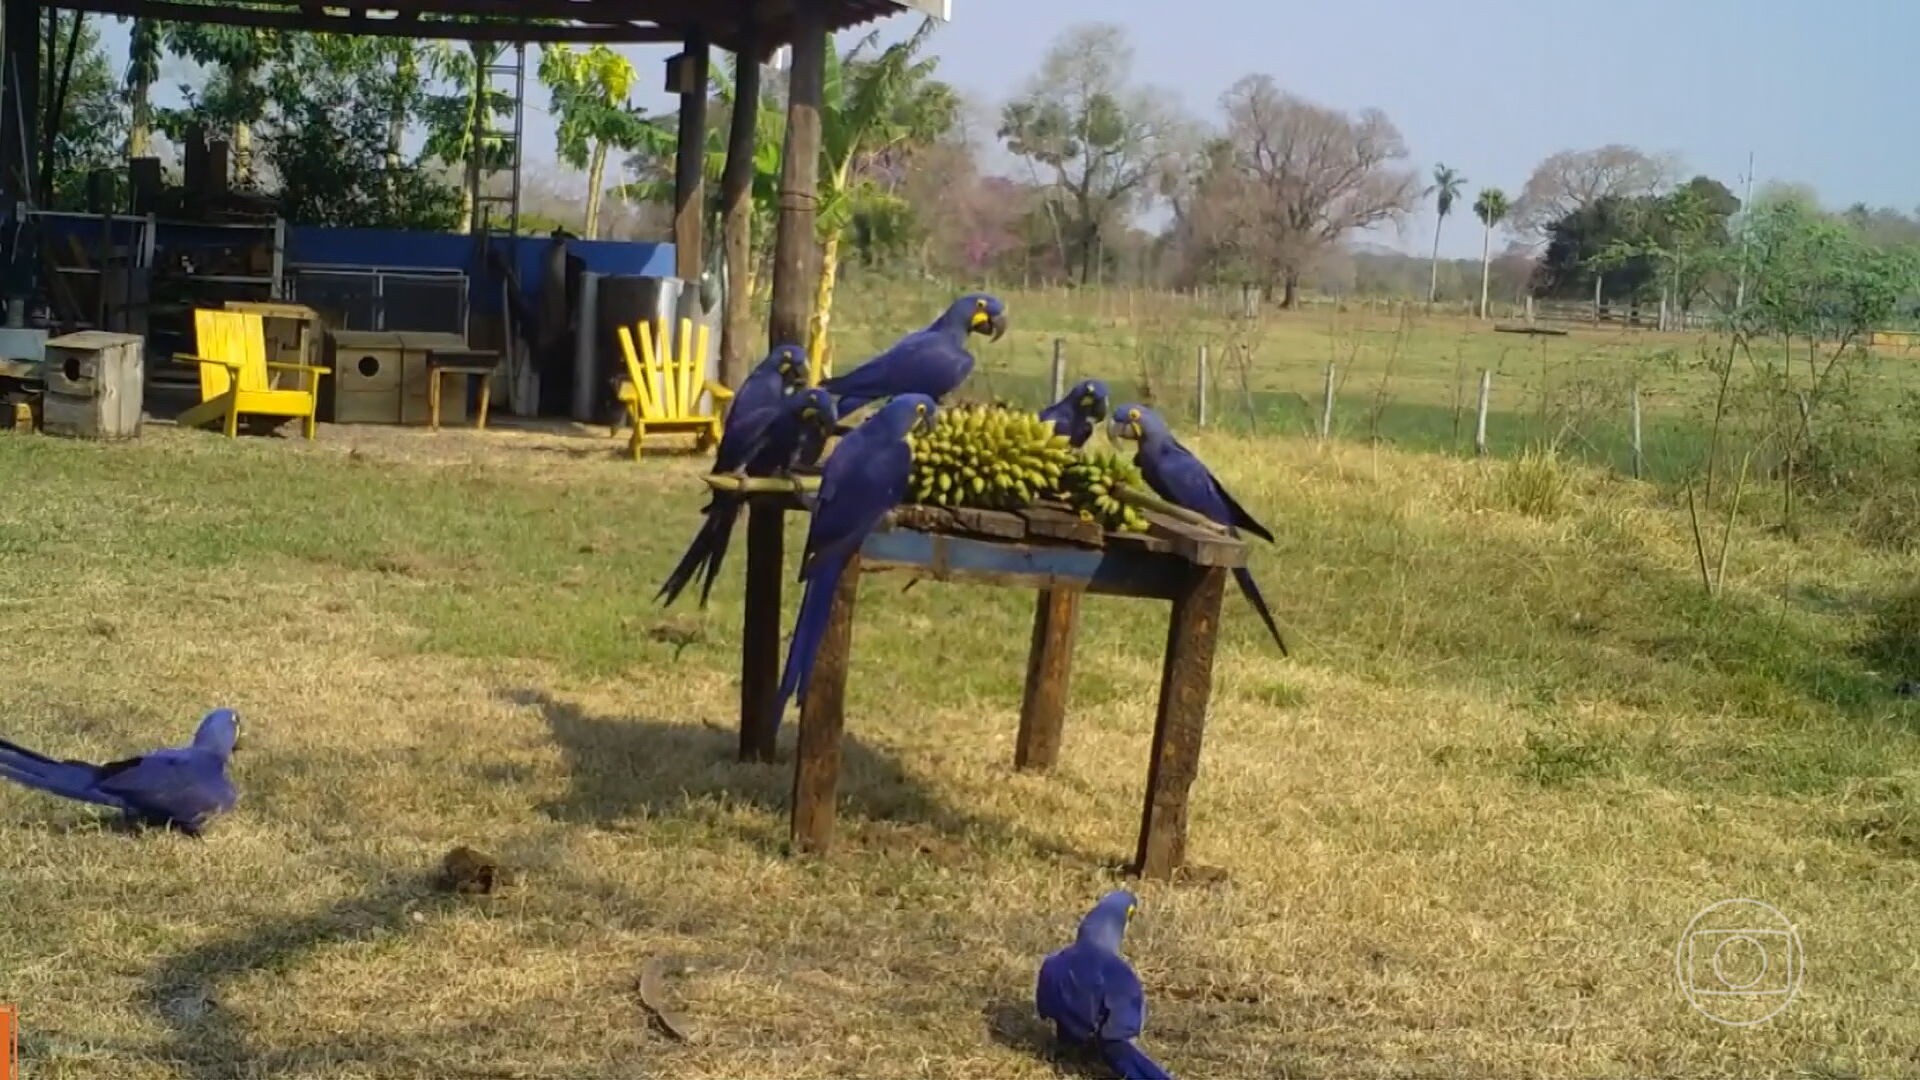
point(1821, 93)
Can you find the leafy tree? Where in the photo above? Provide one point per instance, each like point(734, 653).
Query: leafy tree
point(1447, 185)
point(1102, 139)
point(89, 122)
point(1491, 208)
point(590, 100)
point(328, 139)
point(235, 99)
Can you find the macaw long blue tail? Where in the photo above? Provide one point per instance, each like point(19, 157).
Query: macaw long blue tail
point(708, 546)
point(720, 521)
point(1131, 1062)
point(1244, 578)
point(816, 604)
point(42, 773)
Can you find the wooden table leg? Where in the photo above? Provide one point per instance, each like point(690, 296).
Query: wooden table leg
point(760, 630)
point(1049, 665)
point(433, 400)
point(486, 398)
point(816, 764)
point(1186, 683)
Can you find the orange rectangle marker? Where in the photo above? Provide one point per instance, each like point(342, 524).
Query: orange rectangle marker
point(9, 1042)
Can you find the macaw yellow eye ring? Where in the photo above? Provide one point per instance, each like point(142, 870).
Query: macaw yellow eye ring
point(981, 304)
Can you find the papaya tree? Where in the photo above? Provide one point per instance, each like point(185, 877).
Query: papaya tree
point(590, 93)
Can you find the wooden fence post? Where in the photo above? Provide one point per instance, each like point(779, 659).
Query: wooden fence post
point(1200, 390)
point(1326, 406)
point(1480, 422)
point(1059, 369)
point(1634, 404)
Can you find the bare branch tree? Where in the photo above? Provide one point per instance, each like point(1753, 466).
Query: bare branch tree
point(1575, 179)
point(1293, 179)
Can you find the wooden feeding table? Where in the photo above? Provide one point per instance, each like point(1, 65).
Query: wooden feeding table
point(1183, 560)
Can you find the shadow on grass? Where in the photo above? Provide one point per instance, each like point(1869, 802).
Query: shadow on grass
point(622, 767)
point(210, 1040)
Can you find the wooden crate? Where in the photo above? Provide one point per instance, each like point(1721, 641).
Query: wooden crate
point(417, 347)
point(367, 379)
point(95, 385)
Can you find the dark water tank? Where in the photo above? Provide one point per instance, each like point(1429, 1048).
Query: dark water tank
point(619, 300)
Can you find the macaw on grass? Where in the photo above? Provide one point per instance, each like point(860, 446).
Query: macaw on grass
point(933, 361)
point(1093, 996)
point(182, 787)
point(1177, 476)
point(799, 428)
point(864, 478)
point(1079, 413)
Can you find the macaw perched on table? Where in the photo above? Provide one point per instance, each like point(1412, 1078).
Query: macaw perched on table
point(864, 478)
point(800, 426)
point(933, 361)
point(1079, 413)
point(182, 787)
point(1177, 476)
point(1092, 994)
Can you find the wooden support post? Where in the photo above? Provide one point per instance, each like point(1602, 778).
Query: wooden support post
point(1326, 406)
point(736, 196)
point(1634, 410)
point(689, 173)
point(1480, 421)
point(1049, 669)
point(1059, 369)
point(760, 629)
point(1200, 386)
point(1186, 684)
point(816, 768)
point(794, 241)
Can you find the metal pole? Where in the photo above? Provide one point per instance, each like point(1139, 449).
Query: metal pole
point(1059, 369)
point(1326, 406)
point(1480, 422)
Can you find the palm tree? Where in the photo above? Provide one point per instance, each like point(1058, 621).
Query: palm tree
point(1491, 208)
point(1447, 186)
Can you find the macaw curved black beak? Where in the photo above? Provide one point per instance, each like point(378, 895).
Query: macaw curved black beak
point(994, 325)
point(1095, 405)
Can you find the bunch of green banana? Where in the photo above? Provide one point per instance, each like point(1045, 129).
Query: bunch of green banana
point(1088, 486)
point(987, 456)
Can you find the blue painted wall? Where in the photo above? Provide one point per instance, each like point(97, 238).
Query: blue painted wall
point(393, 248)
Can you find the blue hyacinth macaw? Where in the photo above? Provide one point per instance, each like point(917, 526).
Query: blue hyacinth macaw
point(757, 403)
point(933, 361)
point(1079, 413)
point(1092, 995)
point(798, 430)
point(183, 787)
point(864, 477)
point(1177, 476)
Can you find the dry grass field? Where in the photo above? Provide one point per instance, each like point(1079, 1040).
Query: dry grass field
point(1461, 832)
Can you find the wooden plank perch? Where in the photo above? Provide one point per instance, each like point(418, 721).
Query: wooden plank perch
point(763, 485)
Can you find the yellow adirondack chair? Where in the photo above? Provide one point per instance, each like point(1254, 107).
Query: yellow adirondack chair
point(231, 349)
point(664, 388)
